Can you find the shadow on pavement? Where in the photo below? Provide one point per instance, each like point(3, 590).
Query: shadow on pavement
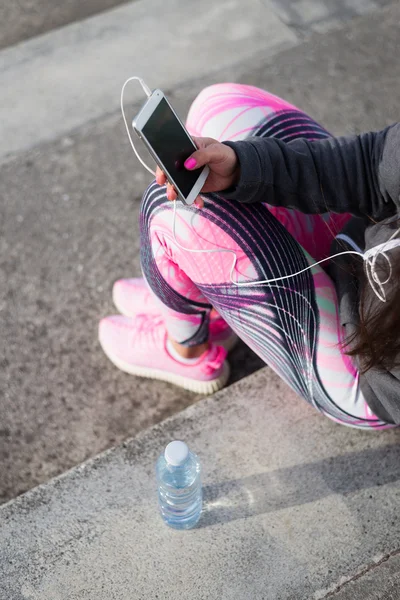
point(283, 488)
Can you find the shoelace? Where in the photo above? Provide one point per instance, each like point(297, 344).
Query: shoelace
point(147, 326)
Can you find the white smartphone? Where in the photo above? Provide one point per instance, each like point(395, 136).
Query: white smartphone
point(170, 144)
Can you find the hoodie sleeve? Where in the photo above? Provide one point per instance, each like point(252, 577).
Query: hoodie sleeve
point(358, 174)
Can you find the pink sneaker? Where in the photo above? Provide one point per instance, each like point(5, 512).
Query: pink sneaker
point(138, 346)
point(133, 297)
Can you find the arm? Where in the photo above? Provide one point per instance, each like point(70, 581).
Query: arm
point(356, 174)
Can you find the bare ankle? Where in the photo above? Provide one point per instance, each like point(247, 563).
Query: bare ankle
point(189, 352)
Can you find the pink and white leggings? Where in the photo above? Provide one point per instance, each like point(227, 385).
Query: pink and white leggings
point(293, 325)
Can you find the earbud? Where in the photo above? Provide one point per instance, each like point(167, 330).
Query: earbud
point(371, 256)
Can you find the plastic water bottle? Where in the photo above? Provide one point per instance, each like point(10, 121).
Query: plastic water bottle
point(180, 495)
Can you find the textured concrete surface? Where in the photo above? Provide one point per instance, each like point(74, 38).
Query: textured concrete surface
point(297, 507)
point(348, 79)
point(378, 581)
point(321, 15)
point(68, 229)
point(74, 75)
point(27, 18)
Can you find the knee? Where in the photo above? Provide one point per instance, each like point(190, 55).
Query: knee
point(211, 91)
point(202, 102)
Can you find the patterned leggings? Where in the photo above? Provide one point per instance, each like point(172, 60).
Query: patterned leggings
point(293, 325)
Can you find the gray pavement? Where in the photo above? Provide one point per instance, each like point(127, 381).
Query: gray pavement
point(68, 229)
point(321, 15)
point(27, 18)
point(296, 508)
point(74, 75)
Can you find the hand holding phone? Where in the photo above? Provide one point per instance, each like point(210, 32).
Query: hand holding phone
point(221, 160)
point(181, 161)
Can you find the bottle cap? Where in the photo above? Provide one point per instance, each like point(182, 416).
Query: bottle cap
point(176, 453)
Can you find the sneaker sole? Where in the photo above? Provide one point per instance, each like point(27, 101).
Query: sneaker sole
point(229, 343)
point(192, 385)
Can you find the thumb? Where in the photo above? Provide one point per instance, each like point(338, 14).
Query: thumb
point(214, 153)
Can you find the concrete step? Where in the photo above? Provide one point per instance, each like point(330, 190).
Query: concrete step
point(68, 77)
point(28, 18)
point(296, 506)
point(68, 229)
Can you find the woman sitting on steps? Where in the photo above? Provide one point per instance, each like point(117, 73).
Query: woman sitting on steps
point(281, 194)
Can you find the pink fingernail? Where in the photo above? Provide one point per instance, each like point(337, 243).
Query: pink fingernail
point(190, 163)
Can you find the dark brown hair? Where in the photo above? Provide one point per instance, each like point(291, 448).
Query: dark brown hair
point(376, 343)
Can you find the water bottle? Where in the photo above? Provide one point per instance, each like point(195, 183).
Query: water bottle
point(180, 495)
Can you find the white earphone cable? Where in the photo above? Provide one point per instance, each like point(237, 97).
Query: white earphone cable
point(147, 91)
point(252, 283)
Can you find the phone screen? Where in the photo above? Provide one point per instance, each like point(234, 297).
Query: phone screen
point(172, 145)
